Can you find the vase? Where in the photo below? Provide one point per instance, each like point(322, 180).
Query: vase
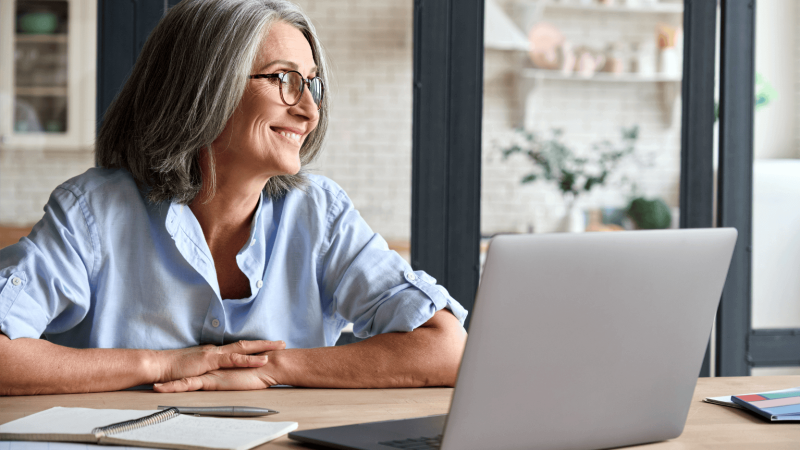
point(573, 220)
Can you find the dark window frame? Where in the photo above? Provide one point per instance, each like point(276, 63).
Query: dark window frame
point(122, 29)
point(741, 348)
point(697, 122)
point(735, 181)
point(446, 140)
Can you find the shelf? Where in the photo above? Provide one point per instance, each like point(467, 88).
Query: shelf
point(669, 87)
point(41, 38)
point(544, 74)
point(41, 91)
point(656, 8)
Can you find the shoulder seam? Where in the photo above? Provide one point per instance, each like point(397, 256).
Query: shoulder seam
point(93, 239)
point(326, 188)
point(76, 189)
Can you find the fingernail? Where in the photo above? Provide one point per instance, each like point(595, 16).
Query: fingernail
point(157, 384)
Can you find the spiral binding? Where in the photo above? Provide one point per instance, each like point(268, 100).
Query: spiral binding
point(129, 425)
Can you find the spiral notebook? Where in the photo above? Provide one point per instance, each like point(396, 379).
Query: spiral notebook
point(158, 429)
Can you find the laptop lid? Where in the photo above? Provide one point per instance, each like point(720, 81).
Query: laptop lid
point(587, 341)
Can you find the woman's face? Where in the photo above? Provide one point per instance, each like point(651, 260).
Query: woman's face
point(264, 135)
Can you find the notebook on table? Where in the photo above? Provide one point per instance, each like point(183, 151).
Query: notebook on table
point(574, 341)
point(773, 406)
point(725, 400)
point(159, 429)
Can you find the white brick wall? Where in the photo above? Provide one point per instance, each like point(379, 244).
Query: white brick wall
point(28, 177)
point(369, 142)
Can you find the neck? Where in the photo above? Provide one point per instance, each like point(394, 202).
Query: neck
point(229, 211)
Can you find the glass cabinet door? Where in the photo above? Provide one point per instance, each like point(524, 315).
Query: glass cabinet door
point(48, 61)
point(47, 79)
point(40, 69)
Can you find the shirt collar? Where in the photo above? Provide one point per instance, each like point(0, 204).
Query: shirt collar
point(251, 258)
point(176, 215)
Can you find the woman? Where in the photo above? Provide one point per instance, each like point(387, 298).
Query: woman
point(200, 256)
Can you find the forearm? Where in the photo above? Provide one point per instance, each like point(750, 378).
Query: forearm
point(35, 366)
point(427, 356)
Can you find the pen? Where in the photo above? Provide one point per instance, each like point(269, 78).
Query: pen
point(226, 411)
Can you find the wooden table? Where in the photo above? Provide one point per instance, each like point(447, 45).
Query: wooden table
point(708, 426)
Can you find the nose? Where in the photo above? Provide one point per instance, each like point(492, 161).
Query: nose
point(306, 108)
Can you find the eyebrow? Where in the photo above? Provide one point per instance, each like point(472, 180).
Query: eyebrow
point(284, 62)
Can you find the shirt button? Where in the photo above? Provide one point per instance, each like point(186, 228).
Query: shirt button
point(259, 283)
point(411, 276)
point(215, 323)
point(253, 242)
point(16, 281)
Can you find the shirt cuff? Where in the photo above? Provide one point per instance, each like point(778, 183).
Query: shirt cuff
point(438, 295)
point(20, 315)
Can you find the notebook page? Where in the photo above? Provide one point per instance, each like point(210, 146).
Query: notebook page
point(26, 445)
point(69, 421)
point(206, 432)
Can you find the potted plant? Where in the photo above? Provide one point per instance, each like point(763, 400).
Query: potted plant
point(574, 174)
point(649, 214)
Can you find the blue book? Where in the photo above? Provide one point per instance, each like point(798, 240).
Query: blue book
point(773, 406)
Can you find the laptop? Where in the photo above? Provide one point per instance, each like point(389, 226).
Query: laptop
point(577, 341)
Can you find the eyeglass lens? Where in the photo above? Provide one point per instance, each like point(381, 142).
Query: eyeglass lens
point(292, 87)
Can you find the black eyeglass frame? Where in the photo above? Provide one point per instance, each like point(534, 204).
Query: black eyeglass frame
point(305, 82)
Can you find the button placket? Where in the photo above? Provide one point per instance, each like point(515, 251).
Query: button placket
point(214, 324)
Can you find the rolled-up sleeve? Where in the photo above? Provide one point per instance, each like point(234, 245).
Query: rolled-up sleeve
point(45, 279)
point(371, 285)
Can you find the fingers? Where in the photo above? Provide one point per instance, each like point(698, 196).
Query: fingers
point(218, 380)
point(182, 385)
point(233, 360)
point(252, 347)
point(243, 353)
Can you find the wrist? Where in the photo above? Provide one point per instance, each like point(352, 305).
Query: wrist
point(276, 371)
point(152, 366)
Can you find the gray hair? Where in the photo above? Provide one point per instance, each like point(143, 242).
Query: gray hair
point(184, 87)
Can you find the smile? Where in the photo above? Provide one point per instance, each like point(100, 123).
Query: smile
point(289, 135)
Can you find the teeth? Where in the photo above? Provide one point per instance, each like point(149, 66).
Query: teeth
point(293, 136)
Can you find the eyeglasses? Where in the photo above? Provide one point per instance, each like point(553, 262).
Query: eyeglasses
point(292, 84)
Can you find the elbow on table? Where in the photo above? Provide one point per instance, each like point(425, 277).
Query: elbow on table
point(7, 385)
point(449, 339)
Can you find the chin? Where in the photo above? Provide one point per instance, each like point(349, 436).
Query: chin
point(291, 169)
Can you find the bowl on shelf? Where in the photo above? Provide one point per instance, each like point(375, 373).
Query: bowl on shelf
point(38, 23)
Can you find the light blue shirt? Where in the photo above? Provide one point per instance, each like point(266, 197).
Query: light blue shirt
point(105, 268)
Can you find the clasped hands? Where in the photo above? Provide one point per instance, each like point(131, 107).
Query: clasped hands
point(238, 366)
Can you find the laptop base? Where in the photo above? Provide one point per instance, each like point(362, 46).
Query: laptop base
point(367, 436)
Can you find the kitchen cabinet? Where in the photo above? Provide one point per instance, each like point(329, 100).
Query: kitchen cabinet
point(47, 74)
